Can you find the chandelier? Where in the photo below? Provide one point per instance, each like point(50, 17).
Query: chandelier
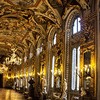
point(13, 59)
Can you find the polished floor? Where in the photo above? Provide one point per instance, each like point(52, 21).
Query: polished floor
point(8, 94)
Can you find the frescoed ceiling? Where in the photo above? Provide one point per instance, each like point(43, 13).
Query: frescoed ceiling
point(23, 22)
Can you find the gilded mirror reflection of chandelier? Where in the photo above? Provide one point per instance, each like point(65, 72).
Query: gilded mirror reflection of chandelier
point(13, 59)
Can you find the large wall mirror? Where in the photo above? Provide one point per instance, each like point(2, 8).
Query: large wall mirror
point(87, 58)
point(87, 73)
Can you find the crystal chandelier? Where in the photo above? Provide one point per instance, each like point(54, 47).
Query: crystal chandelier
point(14, 59)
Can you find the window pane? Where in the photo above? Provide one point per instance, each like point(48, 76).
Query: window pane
point(53, 63)
point(79, 24)
point(54, 40)
point(75, 27)
point(73, 69)
point(78, 67)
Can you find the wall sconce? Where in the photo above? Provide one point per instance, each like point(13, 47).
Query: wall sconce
point(40, 74)
point(87, 70)
point(59, 72)
point(20, 76)
point(56, 72)
point(9, 77)
point(30, 74)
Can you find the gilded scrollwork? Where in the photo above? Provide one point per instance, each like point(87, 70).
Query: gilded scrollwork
point(23, 3)
point(83, 4)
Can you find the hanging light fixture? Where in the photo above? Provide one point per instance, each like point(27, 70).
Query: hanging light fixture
point(14, 59)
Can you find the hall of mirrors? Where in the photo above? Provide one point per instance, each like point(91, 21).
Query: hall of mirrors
point(51, 47)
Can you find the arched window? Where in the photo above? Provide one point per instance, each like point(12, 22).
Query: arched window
point(54, 39)
point(77, 25)
point(72, 29)
point(75, 57)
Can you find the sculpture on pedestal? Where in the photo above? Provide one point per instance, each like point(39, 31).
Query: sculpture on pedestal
point(57, 82)
point(44, 85)
point(64, 90)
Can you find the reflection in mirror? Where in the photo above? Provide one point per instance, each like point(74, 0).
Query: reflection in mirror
point(87, 58)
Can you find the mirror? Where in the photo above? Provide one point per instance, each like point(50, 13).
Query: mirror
point(87, 58)
point(87, 72)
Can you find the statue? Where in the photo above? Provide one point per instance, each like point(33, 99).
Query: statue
point(64, 91)
point(44, 84)
point(57, 82)
point(44, 88)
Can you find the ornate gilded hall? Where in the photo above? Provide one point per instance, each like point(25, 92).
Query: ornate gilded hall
point(50, 49)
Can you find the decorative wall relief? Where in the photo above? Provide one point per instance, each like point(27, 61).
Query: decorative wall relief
point(83, 4)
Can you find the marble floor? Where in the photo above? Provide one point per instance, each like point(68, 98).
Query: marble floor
point(8, 94)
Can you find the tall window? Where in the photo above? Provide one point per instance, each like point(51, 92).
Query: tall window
point(54, 39)
point(77, 25)
point(52, 70)
point(75, 68)
point(75, 57)
point(78, 66)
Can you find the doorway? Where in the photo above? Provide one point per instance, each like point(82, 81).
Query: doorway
point(1, 80)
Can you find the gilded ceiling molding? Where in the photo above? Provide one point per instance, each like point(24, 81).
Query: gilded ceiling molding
point(11, 43)
point(39, 43)
point(47, 11)
point(19, 37)
point(69, 9)
point(51, 33)
point(32, 38)
point(2, 46)
point(20, 15)
point(21, 23)
point(83, 4)
point(24, 3)
point(38, 27)
point(56, 14)
point(34, 25)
